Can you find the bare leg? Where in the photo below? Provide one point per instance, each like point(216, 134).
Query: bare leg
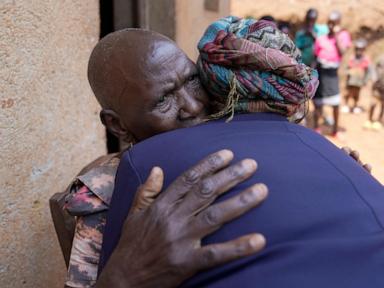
point(371, 111)
point(336, 119)
point(348, 96)
point(356, 94)
point(318, 113)
point(381, 117)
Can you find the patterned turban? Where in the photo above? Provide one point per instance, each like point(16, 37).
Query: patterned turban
point(251, 66)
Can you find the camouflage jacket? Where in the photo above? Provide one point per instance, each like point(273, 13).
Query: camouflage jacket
point(88, 200)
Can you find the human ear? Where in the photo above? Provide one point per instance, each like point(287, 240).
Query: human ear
point(112, 121)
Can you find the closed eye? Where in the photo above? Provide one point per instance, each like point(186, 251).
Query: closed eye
point(162, 99)
point(164, 103)
point(192, 78)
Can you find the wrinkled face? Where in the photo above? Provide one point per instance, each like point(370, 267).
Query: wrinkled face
point(167, 94)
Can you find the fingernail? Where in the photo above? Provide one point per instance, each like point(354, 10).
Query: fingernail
point(226, 154)
point(260, 190)
point(257, 241)
point(156, 170)
point(367, 167)
point(249, 164)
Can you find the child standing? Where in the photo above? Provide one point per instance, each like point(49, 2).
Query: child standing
point(358, 73)
point(378, 97)
point(305, 38)
point(329, 50)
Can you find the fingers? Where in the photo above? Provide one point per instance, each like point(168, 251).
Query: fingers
point(347, 150)
point(148, 192)
point(368, 167)
point(217, 254)
point(215, 216)
point(211, 187)
point(353, 153)
point(189, 179)
point(356, 156)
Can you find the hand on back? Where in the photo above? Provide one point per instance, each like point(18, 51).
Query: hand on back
point(160, 245)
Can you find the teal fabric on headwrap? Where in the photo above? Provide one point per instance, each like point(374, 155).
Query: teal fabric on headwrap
point(251, 66)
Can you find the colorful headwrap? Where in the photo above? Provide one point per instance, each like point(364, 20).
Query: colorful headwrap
point(251, 66)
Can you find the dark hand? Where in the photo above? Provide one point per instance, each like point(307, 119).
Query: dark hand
point(356, 156)
point(148, 192)
point(160, 245)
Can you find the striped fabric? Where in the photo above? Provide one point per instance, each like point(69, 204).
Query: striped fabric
point(251, 66)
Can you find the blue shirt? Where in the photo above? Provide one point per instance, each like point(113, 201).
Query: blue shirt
point(323, 219)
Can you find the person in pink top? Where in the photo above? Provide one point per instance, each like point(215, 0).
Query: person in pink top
point(329, 50)
point(358, 74)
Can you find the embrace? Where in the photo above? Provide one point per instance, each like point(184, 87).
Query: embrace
point(152, 217)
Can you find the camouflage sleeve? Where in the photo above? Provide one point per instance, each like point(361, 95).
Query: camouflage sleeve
point(86, 248)
point(88, 200)
point(82, 201)
point(91, 214)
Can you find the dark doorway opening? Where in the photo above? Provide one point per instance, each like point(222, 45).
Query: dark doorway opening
point(106, 27)
point(115, 15)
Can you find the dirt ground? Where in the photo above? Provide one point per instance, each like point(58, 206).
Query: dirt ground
point(370, 144)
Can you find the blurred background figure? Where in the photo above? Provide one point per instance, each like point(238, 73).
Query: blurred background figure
point(329, 50)
point(358, 74)
point(268, 18)
point(305, 37)
point(285, 27)
point(378, 97)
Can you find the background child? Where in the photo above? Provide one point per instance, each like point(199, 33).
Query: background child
point(329, 50)
point(378, 97)
point(358, 72)
point(305, 37)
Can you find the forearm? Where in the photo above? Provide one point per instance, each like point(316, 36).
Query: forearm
point(367, 75)
point(85, 253)
point(116, 280)
point(139, 274)
point(119, 277)
point(112, 278)
point(340, 47)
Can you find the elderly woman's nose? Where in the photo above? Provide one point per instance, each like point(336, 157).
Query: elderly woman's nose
point(190, 106)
